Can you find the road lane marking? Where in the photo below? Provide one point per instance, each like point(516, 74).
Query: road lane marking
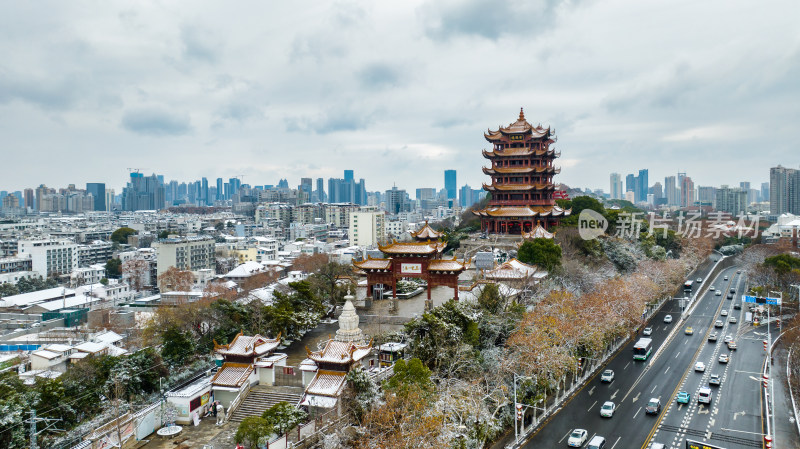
point(735, 415)
point(590, 407)
point(654, 389)
point(626, 366)
point(562, 438)
point(676, 355)
point(700, 410)
point(615, 443)
point(665, 371)
point(591, 391)
point(637, 413)
point(636, 398)
point(742, 431)
point(615, 394)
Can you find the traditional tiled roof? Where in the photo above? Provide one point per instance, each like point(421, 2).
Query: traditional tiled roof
point(521, 170)
point(340, 352)
point(520, 126)
point(232, 375)
point(374, 264)
point(327, 383)
point(447, 265)
point(516, 187)
point(243, 345)
point(513, 269)
point(522, 151)
point(426, 233)
point(421, 248)
point(538, 233)
point(522, 211)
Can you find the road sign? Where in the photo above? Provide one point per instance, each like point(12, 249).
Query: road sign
point(697, 445)
point(761, 300)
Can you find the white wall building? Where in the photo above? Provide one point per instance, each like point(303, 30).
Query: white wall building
point(49, 257)
point(187, 253)
point(367, 227)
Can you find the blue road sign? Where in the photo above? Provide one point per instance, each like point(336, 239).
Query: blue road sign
point(760, 300)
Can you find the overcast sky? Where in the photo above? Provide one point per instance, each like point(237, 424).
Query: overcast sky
point(398, 91)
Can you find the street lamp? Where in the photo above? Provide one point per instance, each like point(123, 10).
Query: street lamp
point(518, 408)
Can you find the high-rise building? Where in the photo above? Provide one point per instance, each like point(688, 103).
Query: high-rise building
point(643, 183)
point(731, 200)
point(305, 186)
point(143, 193)
point(98, 191)
point(687, 191)
point(671, 191)
point(706, 195)
point(764, 191)
point(784, 191)
point(29, 198)
point(348, 175)
point(450, 184)
point(657, 192)
point(220, 190)
point(367, 227)
point(616, 186)
point(204, 199)
point(321, 190)
point(630, 183)
point(397, 201)
point(426, 194)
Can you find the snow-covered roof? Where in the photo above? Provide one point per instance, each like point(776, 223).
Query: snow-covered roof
point(340, 352)
point(90, 347)
point(327, 383)
point(246, 269)
point(191, 390)
point(24, 299)
point(244, 345)
point(108, 337)
point(66, 303)
point(45, 354)
point(392, 347)
point(232, 375)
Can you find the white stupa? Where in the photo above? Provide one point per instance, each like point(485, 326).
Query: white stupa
point(348, 323)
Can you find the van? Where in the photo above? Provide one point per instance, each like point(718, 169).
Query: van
point(704, 395)
point(597, 442)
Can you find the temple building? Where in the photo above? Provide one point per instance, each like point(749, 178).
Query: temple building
point(421, 258)
point(522, 190)
point(245, 361)
point(324, 371)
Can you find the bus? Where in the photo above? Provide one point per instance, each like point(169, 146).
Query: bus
point(687, 286)
point(642, 349)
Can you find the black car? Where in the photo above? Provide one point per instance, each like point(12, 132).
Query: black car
point(730, 295)
point(653, 406)
point(737, 306)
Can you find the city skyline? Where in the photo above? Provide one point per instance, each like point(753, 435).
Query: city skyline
point(196, 95)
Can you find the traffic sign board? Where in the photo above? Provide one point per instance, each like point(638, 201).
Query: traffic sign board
point(697, 445)
point(760, 300)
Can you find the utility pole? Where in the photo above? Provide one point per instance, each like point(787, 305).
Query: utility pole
point(32, 421)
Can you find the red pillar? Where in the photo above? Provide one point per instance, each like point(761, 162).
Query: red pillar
point(429, 287)
point(394, 287)
point(455, 289)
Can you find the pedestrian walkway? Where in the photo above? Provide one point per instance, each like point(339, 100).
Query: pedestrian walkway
point(786, 433)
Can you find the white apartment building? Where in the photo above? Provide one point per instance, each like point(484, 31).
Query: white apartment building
point(49, 257)
point(184, 253)
point(396, 228)
point(367, 227)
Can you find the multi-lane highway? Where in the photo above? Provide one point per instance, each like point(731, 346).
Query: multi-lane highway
point(732, 419)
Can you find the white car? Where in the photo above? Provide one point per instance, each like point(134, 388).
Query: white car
point(724, 312)
point(607, 376)
point(700, 367)
point(607, 410)
point(728, 338)
point(732, 320)
point(718, 293)
point(718, 323)
point(577, 438)
point(723, 358)
point(699, 280)
point(712, 288)
point(725, 278)
point(667, 318)
point(647, 331)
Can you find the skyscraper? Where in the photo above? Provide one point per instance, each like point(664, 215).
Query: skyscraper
point(348, 175)
point(643, 183)
point(450, 184)
point(204, 192)
point(687, 192)
point(671, 191)
point(143, 193)
point(321, 190)
point(731, 200)
point(630, 183)
point(616, 186)
point(220, 190)
point(98, 191)
point(764, 191)
point(784, 190)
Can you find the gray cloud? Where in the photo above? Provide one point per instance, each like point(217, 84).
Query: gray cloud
point(487, 18)
point(46, 93)
point(198, 45)
point(156, 122)
point(333, 120)
point(379, 76)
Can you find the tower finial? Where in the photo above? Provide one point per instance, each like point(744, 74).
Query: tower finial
point(521, 114)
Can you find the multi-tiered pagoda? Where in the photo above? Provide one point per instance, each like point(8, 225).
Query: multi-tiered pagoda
point(522, 190)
